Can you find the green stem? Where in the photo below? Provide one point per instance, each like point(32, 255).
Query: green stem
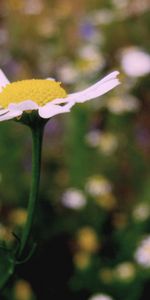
point(37, 134)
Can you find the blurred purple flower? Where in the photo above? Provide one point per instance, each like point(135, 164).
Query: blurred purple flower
point(87, 30)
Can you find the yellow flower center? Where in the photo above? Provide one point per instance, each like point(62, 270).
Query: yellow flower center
point(38, 90)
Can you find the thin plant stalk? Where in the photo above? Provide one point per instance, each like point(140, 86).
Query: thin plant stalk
point(37, 135)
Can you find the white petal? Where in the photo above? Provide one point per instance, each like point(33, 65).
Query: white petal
point(3, 111)
point(10, 115)
point(59, 101)
point(50, 110)
point(112, 75)
point(96, 90)
point(85, 96)
point(3, 80)
point(50, 78)
point(24, 105)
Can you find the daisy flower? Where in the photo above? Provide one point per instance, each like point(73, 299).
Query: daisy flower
point(46, 96)
point(100, 297)
point(142, 253)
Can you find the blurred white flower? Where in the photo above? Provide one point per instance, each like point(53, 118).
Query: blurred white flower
point(120, 4)
point(135, 62)
point(98, 186)
point(90, 59)
point(141, 212)
point(119, 105)
point(73, 198)
point(102, 16)
point(108, 143)
point(125, 271)
point(142, 254)
point(138, 7)
point(67, 73)
point(100, 297)
point(46, 27)
point(89, 52)
point(128, 8)
point(33, 7)
point(92, 138)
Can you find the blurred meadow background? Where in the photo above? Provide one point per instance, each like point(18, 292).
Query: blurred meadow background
point(93, 221)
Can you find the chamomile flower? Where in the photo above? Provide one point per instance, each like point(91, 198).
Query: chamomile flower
point(135, 62)
point(100, 297)
point(142, 253)
point(125, 271)
point(73, 198)
point(46, 96)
